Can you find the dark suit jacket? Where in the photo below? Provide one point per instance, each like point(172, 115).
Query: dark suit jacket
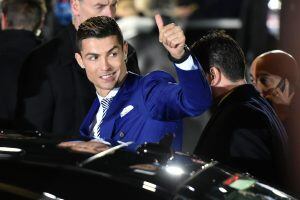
point(245, 133)
point(146, 108)
point(55, 93)
point(15, 46)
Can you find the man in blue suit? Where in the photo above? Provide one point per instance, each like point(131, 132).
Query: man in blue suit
point(141, 108)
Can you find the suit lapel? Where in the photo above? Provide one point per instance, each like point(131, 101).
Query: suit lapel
point(84, 129)
point(119, 101)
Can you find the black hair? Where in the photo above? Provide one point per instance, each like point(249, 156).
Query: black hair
point(98, 27)
point(220, 50)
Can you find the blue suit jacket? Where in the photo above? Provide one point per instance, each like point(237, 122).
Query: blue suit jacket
point(159, 104)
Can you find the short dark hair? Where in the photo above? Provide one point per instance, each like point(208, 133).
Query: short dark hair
point(24, 14)
point(220, 50)
point(98, 27)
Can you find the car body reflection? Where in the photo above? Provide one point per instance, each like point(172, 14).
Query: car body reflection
point(45, 171)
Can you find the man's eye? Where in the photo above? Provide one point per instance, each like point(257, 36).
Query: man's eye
point(264, 80)
point(113, 54)
point(114, 5)
point(251, 79)
point(93, 58)
point(100, 7)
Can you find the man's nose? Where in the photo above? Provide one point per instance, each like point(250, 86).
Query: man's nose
point(104, 65)
point(109, 11)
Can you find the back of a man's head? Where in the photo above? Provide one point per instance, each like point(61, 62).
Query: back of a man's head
point(98, 27)
point(218, 49)
point(23, 14)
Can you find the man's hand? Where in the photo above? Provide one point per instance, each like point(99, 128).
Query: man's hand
point(279, 97)
point(84, 147)
point(172, 37)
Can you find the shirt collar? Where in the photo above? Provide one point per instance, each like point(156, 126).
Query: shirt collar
point(111, 94)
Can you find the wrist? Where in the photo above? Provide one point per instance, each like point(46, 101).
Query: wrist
point(178, 55)
point(182, 57)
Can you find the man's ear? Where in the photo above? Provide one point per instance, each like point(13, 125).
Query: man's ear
point(75, 7)
point(215, 76)
point(125, 50)
point(79, 60)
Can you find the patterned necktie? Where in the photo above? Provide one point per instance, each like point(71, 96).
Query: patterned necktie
point(105, 105)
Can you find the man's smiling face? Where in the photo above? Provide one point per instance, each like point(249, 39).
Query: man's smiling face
point(104, 62)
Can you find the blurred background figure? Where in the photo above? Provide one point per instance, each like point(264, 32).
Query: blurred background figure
point(62, 11)
point(59, 16)
point(275, 76)
point(240, 18)
point(136, 20)
point(131, 21)
point(184, 9)
point(21, 22)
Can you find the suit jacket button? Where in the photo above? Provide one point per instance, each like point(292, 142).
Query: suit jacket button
point(121, 134)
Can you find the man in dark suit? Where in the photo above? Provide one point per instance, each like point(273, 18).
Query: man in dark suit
point(55, 94)
point(20, 21)
point(141, 108)
point(244, 132)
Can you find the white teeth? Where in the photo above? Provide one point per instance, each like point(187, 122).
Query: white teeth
point(106, 76)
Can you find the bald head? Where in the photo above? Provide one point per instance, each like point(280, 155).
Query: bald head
point(85, 9)
point(278, 63)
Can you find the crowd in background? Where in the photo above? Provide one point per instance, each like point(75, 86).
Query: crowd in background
point(254, 24)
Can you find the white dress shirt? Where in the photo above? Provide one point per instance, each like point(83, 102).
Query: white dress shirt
point(98, 118)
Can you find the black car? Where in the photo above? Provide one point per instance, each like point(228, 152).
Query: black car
point(34, 167)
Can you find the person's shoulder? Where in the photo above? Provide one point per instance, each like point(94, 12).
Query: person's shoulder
point(52, 44)
point(158, 75)
point(155, 79)
point(48, 52)
point(245, 99)
point(45, 51)
point(61, 40)
point(252, 114)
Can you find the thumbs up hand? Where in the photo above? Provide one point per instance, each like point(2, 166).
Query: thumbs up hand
point(172, 37)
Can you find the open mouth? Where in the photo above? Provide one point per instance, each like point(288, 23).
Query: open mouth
point(107, 76)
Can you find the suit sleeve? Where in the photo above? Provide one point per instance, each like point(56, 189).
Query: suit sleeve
point(167, 100)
